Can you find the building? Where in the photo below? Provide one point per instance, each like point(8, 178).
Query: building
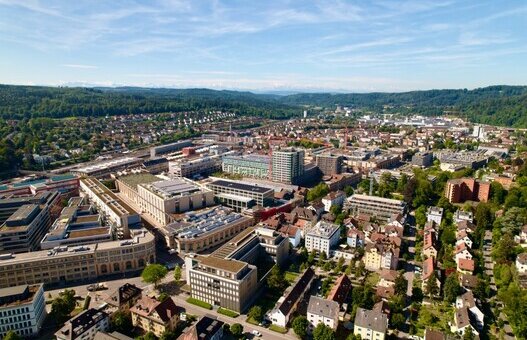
point(118, 213)
point(105, 168)
point(239, 195)
point(85, 325)
point(123, 298)
point(465, 217)
point(324, 311)
point(254, 166)
point(155, 166)
point(162, 198)
point(341, 289)
point(156, 151)
point(22, 310)
point(64, 184)
point(467, 189)
point(466, 159)
point(467, 300)
point(382, 208)
point(355, 238)
point(521, 263)
point(434, 214)
point(329, 164)
point(287, 304)
point(333, 198)
point(341, 181)
point(287, 165)
point(431, 334)
point(80, 263)
point(155, 316)
point(196, 232)
point(370, 324)
point(423, 159)
point(207, 328)
point(322, 237)
point(195, 166)
point(463, 320)
point(381, 255)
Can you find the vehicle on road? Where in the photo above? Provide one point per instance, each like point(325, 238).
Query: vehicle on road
point(256, 333)
point(96, 286)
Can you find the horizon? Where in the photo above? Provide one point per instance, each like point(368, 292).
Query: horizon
point(277, 46)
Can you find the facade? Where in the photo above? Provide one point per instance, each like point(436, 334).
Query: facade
point(240, 195)
point(254, 166)
point(105, 168)
point(467, 189)
point(383, 208)
point(329, 164)
point(189, 168)
point(324, 311)
point(423, 159)
point(287, 165)
point(156, 151)
point(381, 255)
point(370, 324)
point(85, 325)
point(78, 264)
point(22, 310)
point(154, 316)
point(333, 198)
point(434, 214)
point(322, 237)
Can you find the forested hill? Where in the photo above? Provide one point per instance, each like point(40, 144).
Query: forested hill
point(499, 105)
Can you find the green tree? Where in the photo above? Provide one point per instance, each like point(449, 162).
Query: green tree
point(11, 335)
point(177, 273)
point(236, 329)
point(432, 289)
point(63, 305)
point(256, 313)
point(469, 335)
point(163, 296)
point(276, 280)
point(397, 320)
point(154, 273)
point(505, 249)
point(348, 190)
point(319, 191)
point(121, 322)
point(300, 325)
point(401, 284)
point(323, 332)
point(452, 289)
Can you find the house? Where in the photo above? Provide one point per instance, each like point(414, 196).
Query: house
point(467, 226)
point(355, 238)
point(207, 328)
point(387, 277)
point(341, 289)
point(429, 241)
point(288, 302)
point(465, 266)
point(428, 269)
point(467, 300)
point(123, 298)
point(154, 316)
point(461, 215)
point(85, 325)
point(522, 237)
point(434, 214)
point(382, 253)
point(324, 311)
point(521, 263)
point(294, 234)
point(370, 324)
point(463, 320)
point(468, 281)
point(317, 208)
point(333, 198)
point(461, 251)
point(462, 237)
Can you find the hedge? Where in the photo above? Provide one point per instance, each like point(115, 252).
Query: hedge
point(199, 303)
point(227, 312)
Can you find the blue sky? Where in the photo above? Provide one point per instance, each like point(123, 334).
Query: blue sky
point(265, 45)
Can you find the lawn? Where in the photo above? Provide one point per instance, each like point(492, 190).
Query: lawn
point(278, 329)
point(291, 276)
point(228, 312)
point(252, 321)
point(373, 279)
point(434, 316)
point(199, 303)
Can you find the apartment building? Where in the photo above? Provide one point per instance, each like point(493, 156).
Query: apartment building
point(381, 255)
point(254, 166)
point(434, 214)
point(322, 237)
point(155, 316)
point(382, 208)
point(423, 159)
point(467, 189)
point(85, 325)
point(287, 165)
point(370, 324)
point(320, 310)
point(329, 164)
point(118, 213)
point(333, 198)
point(22, 310)
point(239, 195)
point(123, 298)
point(78, 264)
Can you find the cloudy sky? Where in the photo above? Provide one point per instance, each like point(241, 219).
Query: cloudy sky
point(265, 45)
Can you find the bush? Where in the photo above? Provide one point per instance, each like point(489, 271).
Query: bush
point(86, 302)
point(228, 312)
point(199, 303)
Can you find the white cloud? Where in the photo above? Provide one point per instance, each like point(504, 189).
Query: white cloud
point(80, 66)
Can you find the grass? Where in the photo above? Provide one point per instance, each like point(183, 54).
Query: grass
point(199, 303)
point(252, 321)
point(278, 329)
point(228, 312)
point(373, 279)
point(290, 276)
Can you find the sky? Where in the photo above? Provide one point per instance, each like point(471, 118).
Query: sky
point(265, 45)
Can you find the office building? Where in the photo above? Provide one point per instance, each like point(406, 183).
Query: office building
point(329, 164)
point(254, 166)
point(196, 232)
point(382, 208)
point(370, 324)
point(320, 310)
point(103, 169)
point(155, 316)
point(239, 195)
point(155, 166)
point(156, 151)
point(423, 159)
point(22, 310)
point(78, 264)
point(467, 189)
point(85, 325)
point(465, 159)
point(195, 167)
point(322, 237)
point(287, 165)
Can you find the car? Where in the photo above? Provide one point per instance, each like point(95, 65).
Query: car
point(172, 251)
point(256, 333)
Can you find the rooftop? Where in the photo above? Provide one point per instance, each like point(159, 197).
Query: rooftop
point(233, 266)
point(370, 319)
point(242, 186)
point(326, 308)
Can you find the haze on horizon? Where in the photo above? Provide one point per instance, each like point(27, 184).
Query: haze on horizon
point(333, 45)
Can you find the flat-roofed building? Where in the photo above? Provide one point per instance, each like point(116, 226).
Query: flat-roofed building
point(322, 237)
point(65, 184)
point(287, 165)
point(255, 166)
point(239, 195)
point(105, 168)
point(85, 325)
point(383, 208)
point(198, 231)
point(169, 148)
point(120, 215)
point(195, 166)
point(329, 164)
point(22, 310)
point(423, 159)
point(460, 190)
point(79, 263)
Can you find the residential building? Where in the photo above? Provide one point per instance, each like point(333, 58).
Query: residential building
point(370, 324)
point(287, 165)
point(85, 325)
point(467, 189)
point(463, 216)
point(22, 310)
point(240, 195)
point(320, 310)
point(428, 269)
point(382, 208)
point(431, 334)
point(123, 298)
point(207, 328)
point(521, 263)
point(429, 244)
point(355, 238)
point(287, 304)
point(322, 237)
point(467, 300)
point(329, 164)
point(155, 316)
point(336, 198)
point(463, 320)
point(254, 166)
point(340, 290)
point(423, 159)
point(382, 253)
point(434, 214)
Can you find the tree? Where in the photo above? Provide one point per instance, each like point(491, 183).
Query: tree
point(276, 279)
point(348, 190)
point(300, 325)
point(177, 273)
point(397, 320)
point(319, 191)
point(11, 335)
point(469, 335)
point(352, 336)
point(63, 305)
point(401, 284)
point(236, 329)
point(154, 273)
point(121, 322)
point(505, 249)
point(162, 297)
point(432, 289)
point(256, 313)
point(168, 335)
point(452, 288)
point(147, 336)
point(323, 332)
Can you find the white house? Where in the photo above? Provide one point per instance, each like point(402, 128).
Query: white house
point(461, 252)
point(434, 214)
point(323, 311)
point(521, 263)
point(333, 198)
point(322, 237)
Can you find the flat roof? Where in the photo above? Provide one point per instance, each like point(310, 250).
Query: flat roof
point(174, 187)
point(241, 186)
point(133, 180)
point(229, 265)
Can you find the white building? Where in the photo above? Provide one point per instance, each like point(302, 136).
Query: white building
point(333, 198)
point(521, 263)
point(287, 165)
point(85, 325)
point(370, 324)
point(323, 311)
point(434, 214)
point(322, 237)
point(22, 310)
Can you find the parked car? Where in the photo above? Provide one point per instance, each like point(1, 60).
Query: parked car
point(96, 286)
point(256, 333)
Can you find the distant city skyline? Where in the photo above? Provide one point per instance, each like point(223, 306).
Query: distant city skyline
point(339, 46)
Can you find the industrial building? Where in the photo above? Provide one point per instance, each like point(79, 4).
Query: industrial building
point(239, 195)
point(105, 168)
point(156, 151)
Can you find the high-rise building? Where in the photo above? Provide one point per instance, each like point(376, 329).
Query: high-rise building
point(287, 165)
point(329, 164)
point(460, 190)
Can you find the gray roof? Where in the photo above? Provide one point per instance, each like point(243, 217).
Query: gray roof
point(371, 319)
point(326, 308)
